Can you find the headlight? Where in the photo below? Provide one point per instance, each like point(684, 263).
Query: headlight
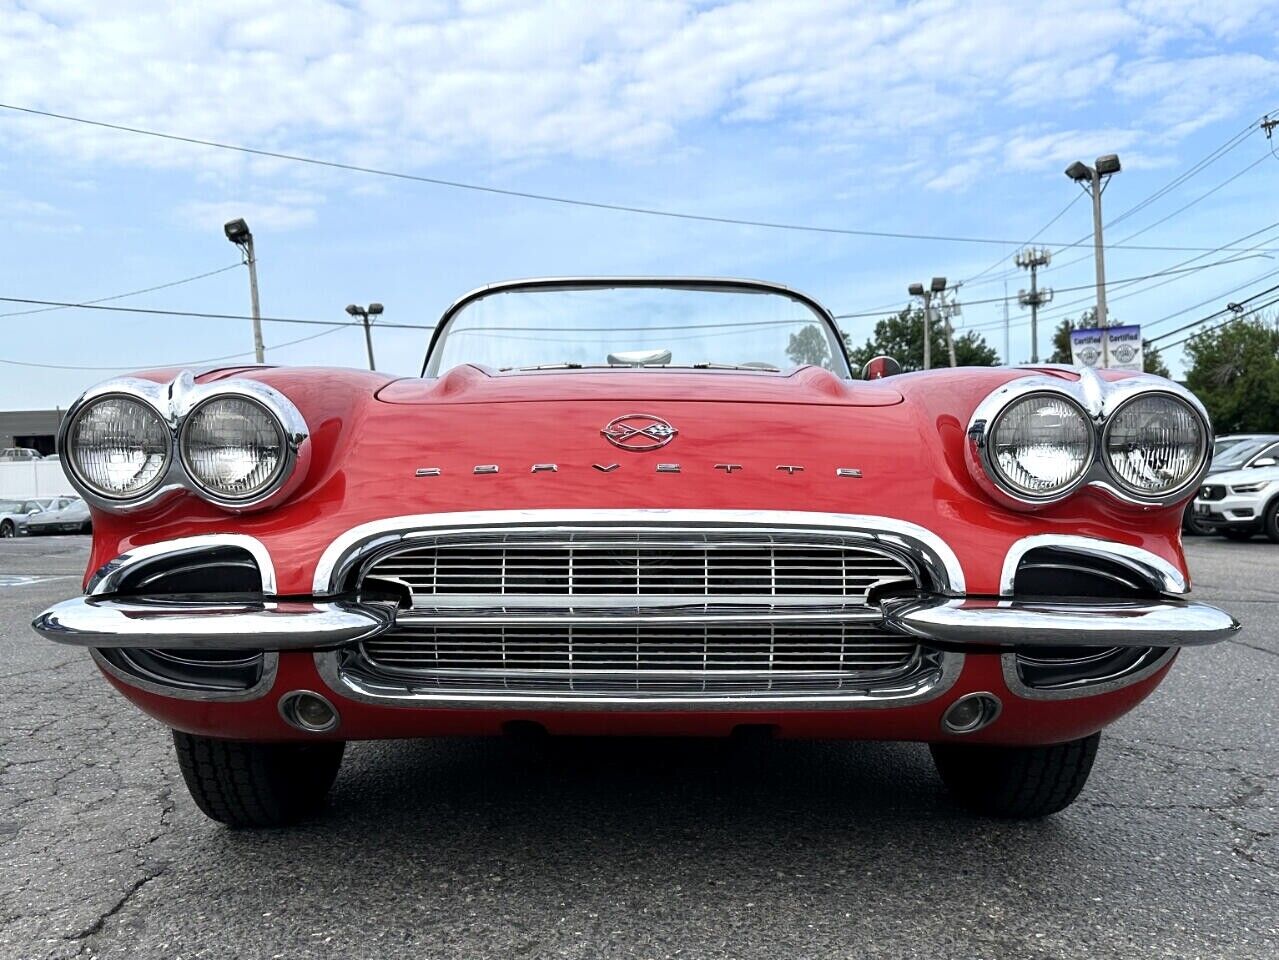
point(1250, 487)
point(233, 448)
point(1040, 446)
point(119, 447)
point(1154, 444)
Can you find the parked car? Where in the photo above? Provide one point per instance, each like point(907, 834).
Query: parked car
point(63, 515)
point(1237, 452)
point(14, 512)
point(629, 506)
point(1242, 503)
point(19, 453)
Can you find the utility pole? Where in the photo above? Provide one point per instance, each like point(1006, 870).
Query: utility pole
point(372, 310)
point(1032, 258)
point(937, 285)
point(1008, 352)
point(1093, 180)
point(950, 308)
point(237, 231)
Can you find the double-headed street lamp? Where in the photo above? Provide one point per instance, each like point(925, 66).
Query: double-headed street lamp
point(938, 285)
point(1094, 179)
point(237, 231)
point(372, 310)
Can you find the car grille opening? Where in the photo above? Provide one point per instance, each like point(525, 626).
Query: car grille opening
point(657, 611)
point(618, 566)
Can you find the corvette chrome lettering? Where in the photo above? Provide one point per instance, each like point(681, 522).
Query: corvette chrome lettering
point(728, 468)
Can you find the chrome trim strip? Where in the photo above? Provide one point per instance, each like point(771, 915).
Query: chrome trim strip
point(938, 673)
point(173, 402)
point(1012, 679)
point(654, 615)
point(209, 625)
point(673, 283)
point(1098, 400)
point(108, 577)
point(1094, 623)
point(1152, 568)
point(346, 552)
point(270, 667)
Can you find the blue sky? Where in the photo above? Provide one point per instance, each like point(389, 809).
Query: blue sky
point(935, 117)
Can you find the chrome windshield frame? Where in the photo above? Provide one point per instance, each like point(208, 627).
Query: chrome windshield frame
point(705, 284)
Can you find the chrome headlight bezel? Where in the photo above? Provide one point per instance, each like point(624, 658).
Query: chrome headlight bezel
point(989, 454)
point(1099, 400)
point(129, 391)
point(289, 449)
point(1192, 478)
point(173, 403)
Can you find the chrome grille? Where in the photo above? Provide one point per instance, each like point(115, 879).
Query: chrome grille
point(645, 656)
point(642, 565)
point(656, 610)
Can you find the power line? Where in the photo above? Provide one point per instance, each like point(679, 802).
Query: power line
point(152, 366)
point(1215, 313)
point(208, 316)
point(121, 296)
point(1218, 326)
point(540, 197)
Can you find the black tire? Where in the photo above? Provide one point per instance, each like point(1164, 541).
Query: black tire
point(1270, 522)
point(1018, 783)
point(1192, 525)
point(247, 784)
point(7, 529)
point(1238, 533)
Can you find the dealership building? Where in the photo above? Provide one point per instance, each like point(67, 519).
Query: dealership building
point(36, 429)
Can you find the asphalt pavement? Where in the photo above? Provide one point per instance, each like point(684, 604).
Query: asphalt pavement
point(643, 848)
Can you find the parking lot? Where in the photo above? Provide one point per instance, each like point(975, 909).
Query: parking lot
point(643, 848)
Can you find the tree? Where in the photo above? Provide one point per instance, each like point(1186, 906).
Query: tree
point(902, 337)
point(809, 345)
point(1152, 362)
point(1234, 370)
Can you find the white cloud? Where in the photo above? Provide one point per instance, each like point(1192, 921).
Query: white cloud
point(288, 210)
point(411, 85)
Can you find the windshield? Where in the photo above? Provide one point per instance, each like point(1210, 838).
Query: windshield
point(570, 325)
point(10, 506)
point(1237, 454)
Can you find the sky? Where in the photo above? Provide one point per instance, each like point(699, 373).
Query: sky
point(941, 118)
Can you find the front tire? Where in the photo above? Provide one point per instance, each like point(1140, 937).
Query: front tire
point(1016, 783)
point(1270, 524)
point(247, 784)
point(7, 529)
point(1192, 525)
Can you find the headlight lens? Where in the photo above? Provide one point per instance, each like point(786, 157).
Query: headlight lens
point(1041, 445)
point(1250, 487)
point(233, 447)
point(119, 447)
point(1154, 444)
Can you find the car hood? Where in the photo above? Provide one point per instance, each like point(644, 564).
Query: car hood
point(1252, 475)
point(807, 385)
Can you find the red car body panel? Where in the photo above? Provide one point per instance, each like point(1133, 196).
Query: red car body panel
point(371, 433)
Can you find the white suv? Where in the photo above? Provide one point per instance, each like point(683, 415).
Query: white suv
point(1242, 502)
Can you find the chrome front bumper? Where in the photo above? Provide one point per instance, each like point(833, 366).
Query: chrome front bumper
point(209, 624)
point(193, 624)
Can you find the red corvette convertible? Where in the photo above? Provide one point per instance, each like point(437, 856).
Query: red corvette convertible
point(626, 506)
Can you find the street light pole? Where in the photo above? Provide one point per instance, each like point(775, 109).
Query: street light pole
point(1098, 251)
point(237, 231)
point(937, 285)
point(372, 310)
point(1094, 179)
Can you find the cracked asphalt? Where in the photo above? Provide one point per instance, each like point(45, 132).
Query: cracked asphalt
point(643, 848)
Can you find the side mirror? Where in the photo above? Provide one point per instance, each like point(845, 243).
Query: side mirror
point(1265, 462)
point(877, 368)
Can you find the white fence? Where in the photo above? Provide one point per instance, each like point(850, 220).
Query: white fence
point(33, 478)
